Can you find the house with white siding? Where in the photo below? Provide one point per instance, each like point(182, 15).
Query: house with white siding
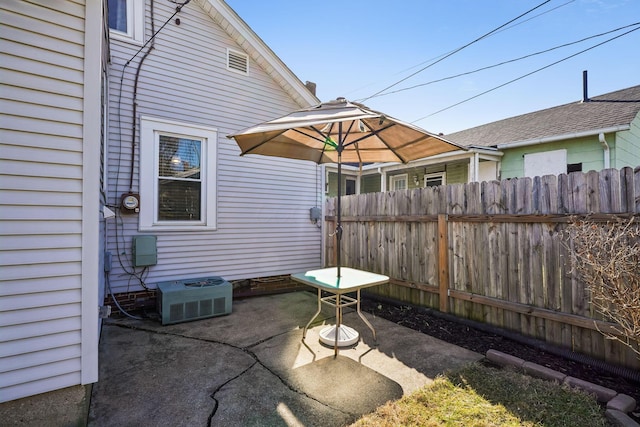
point(173, 101)
point(107, 144)
point(52, 70)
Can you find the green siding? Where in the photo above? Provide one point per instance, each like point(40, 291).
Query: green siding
point(587, 151)
point(457, 173)
point(627, 146)
point(370, 184)
point(333, 183)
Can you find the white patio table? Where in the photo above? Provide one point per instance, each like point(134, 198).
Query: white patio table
point(350, 280)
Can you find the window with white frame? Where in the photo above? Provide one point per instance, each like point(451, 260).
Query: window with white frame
point(177, 176)
point(398, 182)
point(126, 19)
point(435, 179)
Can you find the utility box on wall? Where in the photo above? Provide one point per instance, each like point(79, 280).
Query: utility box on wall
point(145, 251)
point(192, 299)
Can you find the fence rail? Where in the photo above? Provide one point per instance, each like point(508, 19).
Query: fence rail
point(492, 252)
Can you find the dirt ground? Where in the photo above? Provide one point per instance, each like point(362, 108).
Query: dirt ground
point(481, 341)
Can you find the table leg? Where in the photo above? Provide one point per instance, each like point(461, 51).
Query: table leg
point(364, 319)
point(338, 322)
point(304, 331)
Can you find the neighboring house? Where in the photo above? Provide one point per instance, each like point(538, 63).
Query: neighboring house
point(592, 134)
point(52, 57)
point(101, 143)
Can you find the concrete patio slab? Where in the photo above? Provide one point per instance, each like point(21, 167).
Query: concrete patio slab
point(251, 368)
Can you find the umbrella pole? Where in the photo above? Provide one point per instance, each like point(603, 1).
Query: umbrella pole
point(338, 223)
point(338, 207)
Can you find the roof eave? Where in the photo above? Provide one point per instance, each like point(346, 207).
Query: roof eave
point(555, 138)
point(488, 153)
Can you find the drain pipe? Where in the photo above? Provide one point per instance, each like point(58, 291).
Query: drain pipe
point(605, 148)
point(622, 371)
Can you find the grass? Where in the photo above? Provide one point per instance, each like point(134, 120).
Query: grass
point(478, 395)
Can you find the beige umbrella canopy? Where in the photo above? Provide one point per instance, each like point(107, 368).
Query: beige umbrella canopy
point(339, 132)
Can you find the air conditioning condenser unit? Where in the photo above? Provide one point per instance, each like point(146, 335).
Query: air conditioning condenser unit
point(193, 299)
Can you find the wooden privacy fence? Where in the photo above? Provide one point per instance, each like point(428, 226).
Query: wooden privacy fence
point(491, 251)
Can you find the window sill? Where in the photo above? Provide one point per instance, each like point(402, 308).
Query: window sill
point(180, 228)
point(115, 35)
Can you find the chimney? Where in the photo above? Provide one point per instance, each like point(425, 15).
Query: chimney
point(311, 86)
point(585, 94)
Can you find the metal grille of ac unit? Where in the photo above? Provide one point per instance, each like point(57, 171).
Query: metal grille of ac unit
point(192, 299)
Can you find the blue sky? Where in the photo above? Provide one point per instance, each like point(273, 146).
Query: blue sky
point(356, 48)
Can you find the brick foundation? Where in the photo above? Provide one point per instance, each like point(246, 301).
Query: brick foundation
point(266, 286)
point(132, 302)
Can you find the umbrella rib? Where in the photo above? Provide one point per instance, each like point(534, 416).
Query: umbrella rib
point(375, 133)
point(262, 143)
point(310, 136)
point(324, 147)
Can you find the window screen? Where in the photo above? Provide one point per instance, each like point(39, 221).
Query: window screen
point(179, 180)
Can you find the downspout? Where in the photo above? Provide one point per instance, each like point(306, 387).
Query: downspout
point(605, 148)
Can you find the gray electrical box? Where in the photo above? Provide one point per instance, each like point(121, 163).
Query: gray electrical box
point(315, 214)
point(145, 251)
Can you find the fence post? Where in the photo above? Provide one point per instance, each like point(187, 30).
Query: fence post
point(443, 262)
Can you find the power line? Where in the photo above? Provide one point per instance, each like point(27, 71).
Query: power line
point(525, 75)
point(507, 61)
point(504, 29)
point(457, 50)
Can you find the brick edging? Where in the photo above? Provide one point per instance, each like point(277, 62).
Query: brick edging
point(618, 405)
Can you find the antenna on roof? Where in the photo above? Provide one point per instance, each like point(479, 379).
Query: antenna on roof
point(585, 94)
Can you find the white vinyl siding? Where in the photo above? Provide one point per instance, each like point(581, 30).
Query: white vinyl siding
point(262, 223)
point(42, 192)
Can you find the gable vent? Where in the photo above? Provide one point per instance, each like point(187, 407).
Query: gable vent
point(237, 61)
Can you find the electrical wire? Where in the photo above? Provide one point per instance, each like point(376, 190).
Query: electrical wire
point(115, 301)
point(119, 220)
point(508, 61)
point(154, 34)
point(526, 75)
point(446, 53)
point(457, 50)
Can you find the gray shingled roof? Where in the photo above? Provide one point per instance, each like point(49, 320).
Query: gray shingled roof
point(600, 112)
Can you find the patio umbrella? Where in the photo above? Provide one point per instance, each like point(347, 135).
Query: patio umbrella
point(339, 132)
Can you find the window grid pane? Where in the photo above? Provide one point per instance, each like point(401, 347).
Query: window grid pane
point(399, 182)
point(179, 180)
point(118, 15)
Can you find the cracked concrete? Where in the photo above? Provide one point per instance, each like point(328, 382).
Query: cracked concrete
point(251, 368)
